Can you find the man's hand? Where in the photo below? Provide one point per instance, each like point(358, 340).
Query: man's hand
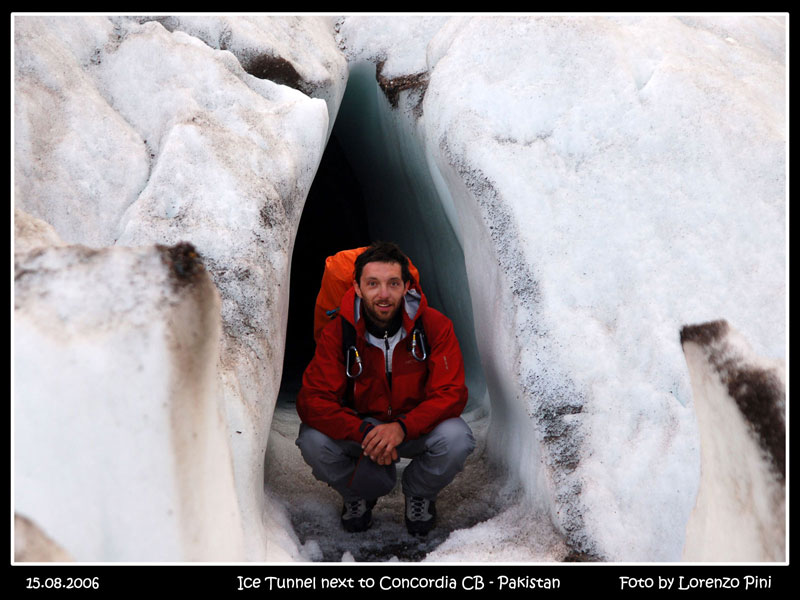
point(381, 442)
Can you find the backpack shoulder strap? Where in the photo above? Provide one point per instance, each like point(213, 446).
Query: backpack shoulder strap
point(348, 336)
point(352, 361)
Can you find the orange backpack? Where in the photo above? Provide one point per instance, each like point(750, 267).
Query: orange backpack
point(336, 280)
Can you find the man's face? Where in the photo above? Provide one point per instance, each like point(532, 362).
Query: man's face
point(381, 289)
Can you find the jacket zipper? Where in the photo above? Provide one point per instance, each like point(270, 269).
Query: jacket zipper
point(386, 354)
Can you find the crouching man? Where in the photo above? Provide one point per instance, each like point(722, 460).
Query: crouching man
point(386, 381)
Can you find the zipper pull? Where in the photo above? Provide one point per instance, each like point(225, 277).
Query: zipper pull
point(386, 345)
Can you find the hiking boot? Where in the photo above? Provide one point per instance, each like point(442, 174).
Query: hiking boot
point(357, 515)
point(420, 515)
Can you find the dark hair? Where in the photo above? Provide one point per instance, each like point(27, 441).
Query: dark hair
point(386, 252)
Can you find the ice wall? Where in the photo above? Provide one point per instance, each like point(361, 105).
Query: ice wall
point(131, 136)
point(288, 50)
point(117, 426)
point(78, 164)
point(609, 179)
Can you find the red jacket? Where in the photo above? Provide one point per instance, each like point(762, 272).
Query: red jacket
point(422, 394)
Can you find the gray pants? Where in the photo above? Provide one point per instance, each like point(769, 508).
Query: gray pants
point(437, 458)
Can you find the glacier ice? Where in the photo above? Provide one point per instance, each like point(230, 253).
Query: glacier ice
point(586, 184)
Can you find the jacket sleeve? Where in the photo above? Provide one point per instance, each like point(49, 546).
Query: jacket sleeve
point(445, 390)
point(319, 402)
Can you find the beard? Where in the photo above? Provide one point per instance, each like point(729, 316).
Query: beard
point(379, 320)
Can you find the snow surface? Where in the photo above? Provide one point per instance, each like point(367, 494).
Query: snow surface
point(607, 179)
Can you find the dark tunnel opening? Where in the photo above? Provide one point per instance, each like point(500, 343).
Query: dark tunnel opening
point(373, 183)
point(334, 218)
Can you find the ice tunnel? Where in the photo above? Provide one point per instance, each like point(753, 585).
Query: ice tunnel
point(373, 183)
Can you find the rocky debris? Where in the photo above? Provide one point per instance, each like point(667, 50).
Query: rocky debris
point(759, 391)
point(392, 86)
point(740, 404)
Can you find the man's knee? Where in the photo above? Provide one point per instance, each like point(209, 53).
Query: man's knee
point(452, 437)
point(316, 447)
